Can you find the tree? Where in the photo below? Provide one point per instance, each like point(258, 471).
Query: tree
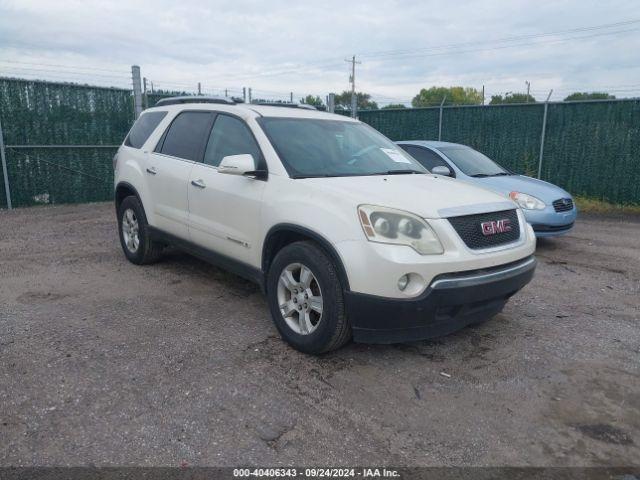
point(589, 96)
point(454, 96)
point(314, 101)
point(512, 97)
point(363, 101)
point(394, 105)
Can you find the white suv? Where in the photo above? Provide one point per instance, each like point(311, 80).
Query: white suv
point(347, 234)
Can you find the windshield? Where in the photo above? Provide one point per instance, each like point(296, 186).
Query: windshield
point(473, 163)
point(334, 148)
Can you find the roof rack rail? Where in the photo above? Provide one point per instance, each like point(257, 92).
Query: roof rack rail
point(193, 99)
point(285, 104)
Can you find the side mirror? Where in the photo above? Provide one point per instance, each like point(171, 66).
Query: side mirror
point(441, 170)
point(243, 164)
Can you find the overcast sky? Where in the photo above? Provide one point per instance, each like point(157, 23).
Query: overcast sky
point(279, 46)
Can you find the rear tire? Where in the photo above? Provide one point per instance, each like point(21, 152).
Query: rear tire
point(305, 298)
point(133, 229)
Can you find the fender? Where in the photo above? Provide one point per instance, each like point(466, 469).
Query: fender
point(303, 231)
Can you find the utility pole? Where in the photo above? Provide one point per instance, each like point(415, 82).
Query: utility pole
point(352, 79)
point(528, 88)
point(482, 94)
point(199, 89)
point(290, 97)
point(244, 94)
point(249, 94)
point(226, 92)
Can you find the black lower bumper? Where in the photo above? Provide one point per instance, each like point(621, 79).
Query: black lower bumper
point(540, 228)
point(451, 302)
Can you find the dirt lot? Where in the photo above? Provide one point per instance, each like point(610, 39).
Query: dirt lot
point(106, 363)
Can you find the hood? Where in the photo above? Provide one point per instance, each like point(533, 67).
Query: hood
point(423, 195)
point(545, 191)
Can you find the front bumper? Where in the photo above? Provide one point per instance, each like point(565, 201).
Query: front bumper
point(549, 223)
point(451, 302)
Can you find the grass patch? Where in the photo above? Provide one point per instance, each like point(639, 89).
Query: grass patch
point(591, 205)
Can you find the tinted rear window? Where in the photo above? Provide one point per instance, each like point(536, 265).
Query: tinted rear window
point(187, 135)
point(143, 128)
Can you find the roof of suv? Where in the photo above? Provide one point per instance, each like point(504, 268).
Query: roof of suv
point(253, 110)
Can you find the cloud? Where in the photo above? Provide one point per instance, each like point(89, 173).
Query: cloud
point(281, 46)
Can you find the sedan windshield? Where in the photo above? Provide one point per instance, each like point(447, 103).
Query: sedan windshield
point(473, 163)
point(335, 148)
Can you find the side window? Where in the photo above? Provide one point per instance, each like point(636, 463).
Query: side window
point(426, 157)
point(230, 136)
point(186, 135)
point(143, 128)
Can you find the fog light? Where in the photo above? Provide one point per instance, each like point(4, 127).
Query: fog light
point(403, 281)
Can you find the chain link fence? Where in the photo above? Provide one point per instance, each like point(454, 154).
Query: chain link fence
point(60, 139)
point(591, 148)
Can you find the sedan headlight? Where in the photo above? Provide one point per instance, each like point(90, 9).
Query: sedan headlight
point(386, 225)
point(528, 202)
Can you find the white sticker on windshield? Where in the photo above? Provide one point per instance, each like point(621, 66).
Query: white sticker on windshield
point(395, 155)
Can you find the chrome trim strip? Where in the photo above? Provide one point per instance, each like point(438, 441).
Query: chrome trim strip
point(476, 208)
point(474, 280)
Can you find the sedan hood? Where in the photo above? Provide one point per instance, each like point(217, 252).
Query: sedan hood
point(429, 196)
point(545, 191)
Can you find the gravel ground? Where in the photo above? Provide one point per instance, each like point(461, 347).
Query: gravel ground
point(106, 363)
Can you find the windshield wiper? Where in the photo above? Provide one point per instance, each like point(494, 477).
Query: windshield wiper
point(321, 175)
point(483, 175)
point(398, 172)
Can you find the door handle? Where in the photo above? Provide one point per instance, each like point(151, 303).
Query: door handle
point(152, 170)
point(198, 183)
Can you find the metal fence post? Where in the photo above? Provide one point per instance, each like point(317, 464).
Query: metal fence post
point(5, 173)
point(440, 119)
point(331, 104)
point(542, 135)
point(137, 90)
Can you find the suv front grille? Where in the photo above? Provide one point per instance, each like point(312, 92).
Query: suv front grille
point(563, 205)
point(487, 230)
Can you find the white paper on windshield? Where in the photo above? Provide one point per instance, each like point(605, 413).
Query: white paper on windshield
point(395, 155)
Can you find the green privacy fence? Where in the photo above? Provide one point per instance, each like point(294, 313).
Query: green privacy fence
point(60, 140)
point(591, 148)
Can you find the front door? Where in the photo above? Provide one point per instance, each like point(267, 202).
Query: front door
point(224, 210)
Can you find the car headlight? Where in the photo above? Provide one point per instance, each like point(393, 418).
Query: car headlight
point(386, 225)
point(528, 202)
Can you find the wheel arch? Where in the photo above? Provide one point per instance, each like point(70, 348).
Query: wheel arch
point(283, 234)
point(124, 190)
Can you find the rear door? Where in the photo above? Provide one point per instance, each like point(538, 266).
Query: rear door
point(169, 167)
point(224, 210)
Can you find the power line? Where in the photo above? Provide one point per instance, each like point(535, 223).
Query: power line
point(58, 66)
point(65, 73)
point(502, 47)
point(300, 68)
point(502, 40)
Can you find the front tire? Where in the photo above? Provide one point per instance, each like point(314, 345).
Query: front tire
point(305, 298)
point(133, 228)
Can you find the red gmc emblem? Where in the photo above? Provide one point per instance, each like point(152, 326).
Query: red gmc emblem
point(495, 226)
